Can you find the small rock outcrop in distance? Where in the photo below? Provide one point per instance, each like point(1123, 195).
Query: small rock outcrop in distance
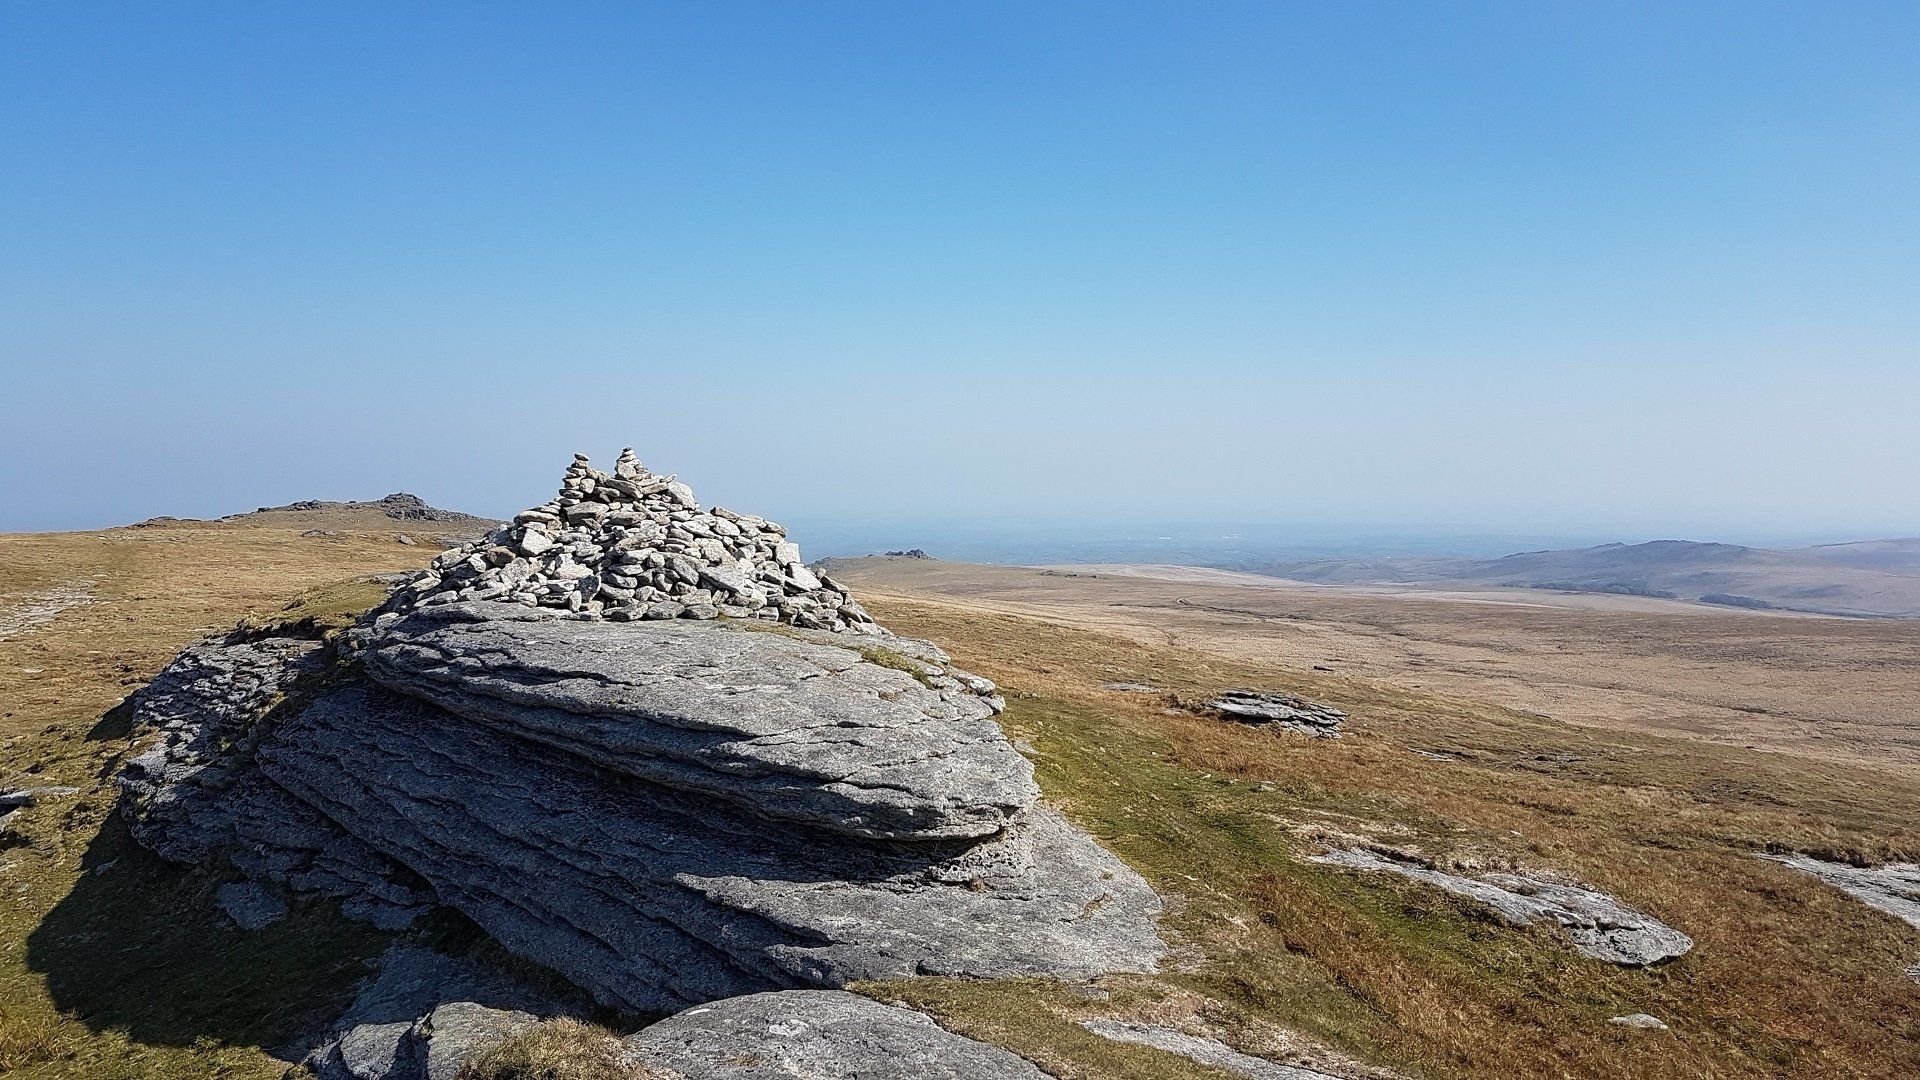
point(1599, 926)
point(910, 553)
point(666, 812)
point(635, 545)
point(400, 506)
point(1282, 710)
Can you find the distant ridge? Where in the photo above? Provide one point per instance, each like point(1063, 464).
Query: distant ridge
point(1878, 578)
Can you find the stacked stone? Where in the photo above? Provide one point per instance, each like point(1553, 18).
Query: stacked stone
point(636, 545)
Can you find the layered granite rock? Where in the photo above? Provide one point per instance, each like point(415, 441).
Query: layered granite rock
point(666, 812)
point(804, 730)
point(653, 899)
point(195, 793)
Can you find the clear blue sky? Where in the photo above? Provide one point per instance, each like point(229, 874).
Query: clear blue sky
point(1651, 269)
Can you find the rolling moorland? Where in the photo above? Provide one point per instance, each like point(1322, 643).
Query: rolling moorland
point(1651, 753)
point(1867, 578)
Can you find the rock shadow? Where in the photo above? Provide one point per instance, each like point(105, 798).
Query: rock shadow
point(139, 945)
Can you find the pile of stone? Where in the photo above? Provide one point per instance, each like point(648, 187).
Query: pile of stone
point(636, 545)
point(1285, 710)
point(667, 812)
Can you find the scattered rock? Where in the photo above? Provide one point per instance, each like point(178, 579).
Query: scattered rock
point(19, 614)
point(250, 906)
point(827, 1034)
point(321, 534)
point(1130, 687)
point(1640, 1020)
point(1599, 926)
point(1286, 710)
point(910, 553)
point(1893, 888)
point(14, 800)
point(1202, 1050)
point(403, 538)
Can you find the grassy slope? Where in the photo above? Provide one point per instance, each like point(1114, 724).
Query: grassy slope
point(111, 965)
point(1788, 977)
point(112, 962)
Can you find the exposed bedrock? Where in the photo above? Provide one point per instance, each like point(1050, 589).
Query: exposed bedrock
point(667, 811)
point(653, 899)
point(796, 729)
point(831, 1035)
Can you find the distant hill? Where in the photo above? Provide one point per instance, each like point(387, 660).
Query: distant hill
point(1876, 577)
point(404, 515)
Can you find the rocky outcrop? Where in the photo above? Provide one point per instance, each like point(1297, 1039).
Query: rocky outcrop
point(666, 812)
point(1598, 925)
point(195, 793)
point(636, 545)
point(808, 730)
point(1281, 710)
point(654, 899)
point(815, 1033)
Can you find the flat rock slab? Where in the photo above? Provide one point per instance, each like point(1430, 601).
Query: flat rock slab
point(1893, 888)
point(788, 727)
point(1283, 710)
point(1599, 926)
point(816, 1035)
point(654, 900)
point(1199, 1049)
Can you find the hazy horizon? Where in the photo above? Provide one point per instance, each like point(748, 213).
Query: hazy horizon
point(1618, 271)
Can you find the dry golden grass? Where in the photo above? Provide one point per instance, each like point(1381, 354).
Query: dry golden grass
point(114, 964)
point(559, 1049)
point(1276, 955)
point(1788, 977)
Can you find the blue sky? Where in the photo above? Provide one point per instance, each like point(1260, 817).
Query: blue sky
point(1621, 269)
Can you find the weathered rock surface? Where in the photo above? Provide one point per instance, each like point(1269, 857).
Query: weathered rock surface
point(818, 1035)
point(1598, 925)
point(1893, 888)
point(1284, 710)
point(195, 793)
point(1200, 1049)
point(1646, 1021)
point(653, 900)
point(802, 730)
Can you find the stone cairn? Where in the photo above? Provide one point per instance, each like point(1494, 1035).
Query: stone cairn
point(636, 545)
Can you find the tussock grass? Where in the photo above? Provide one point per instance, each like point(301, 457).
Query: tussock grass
point(559, 1049)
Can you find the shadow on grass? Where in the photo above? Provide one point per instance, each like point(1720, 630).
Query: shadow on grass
point(140, 946)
